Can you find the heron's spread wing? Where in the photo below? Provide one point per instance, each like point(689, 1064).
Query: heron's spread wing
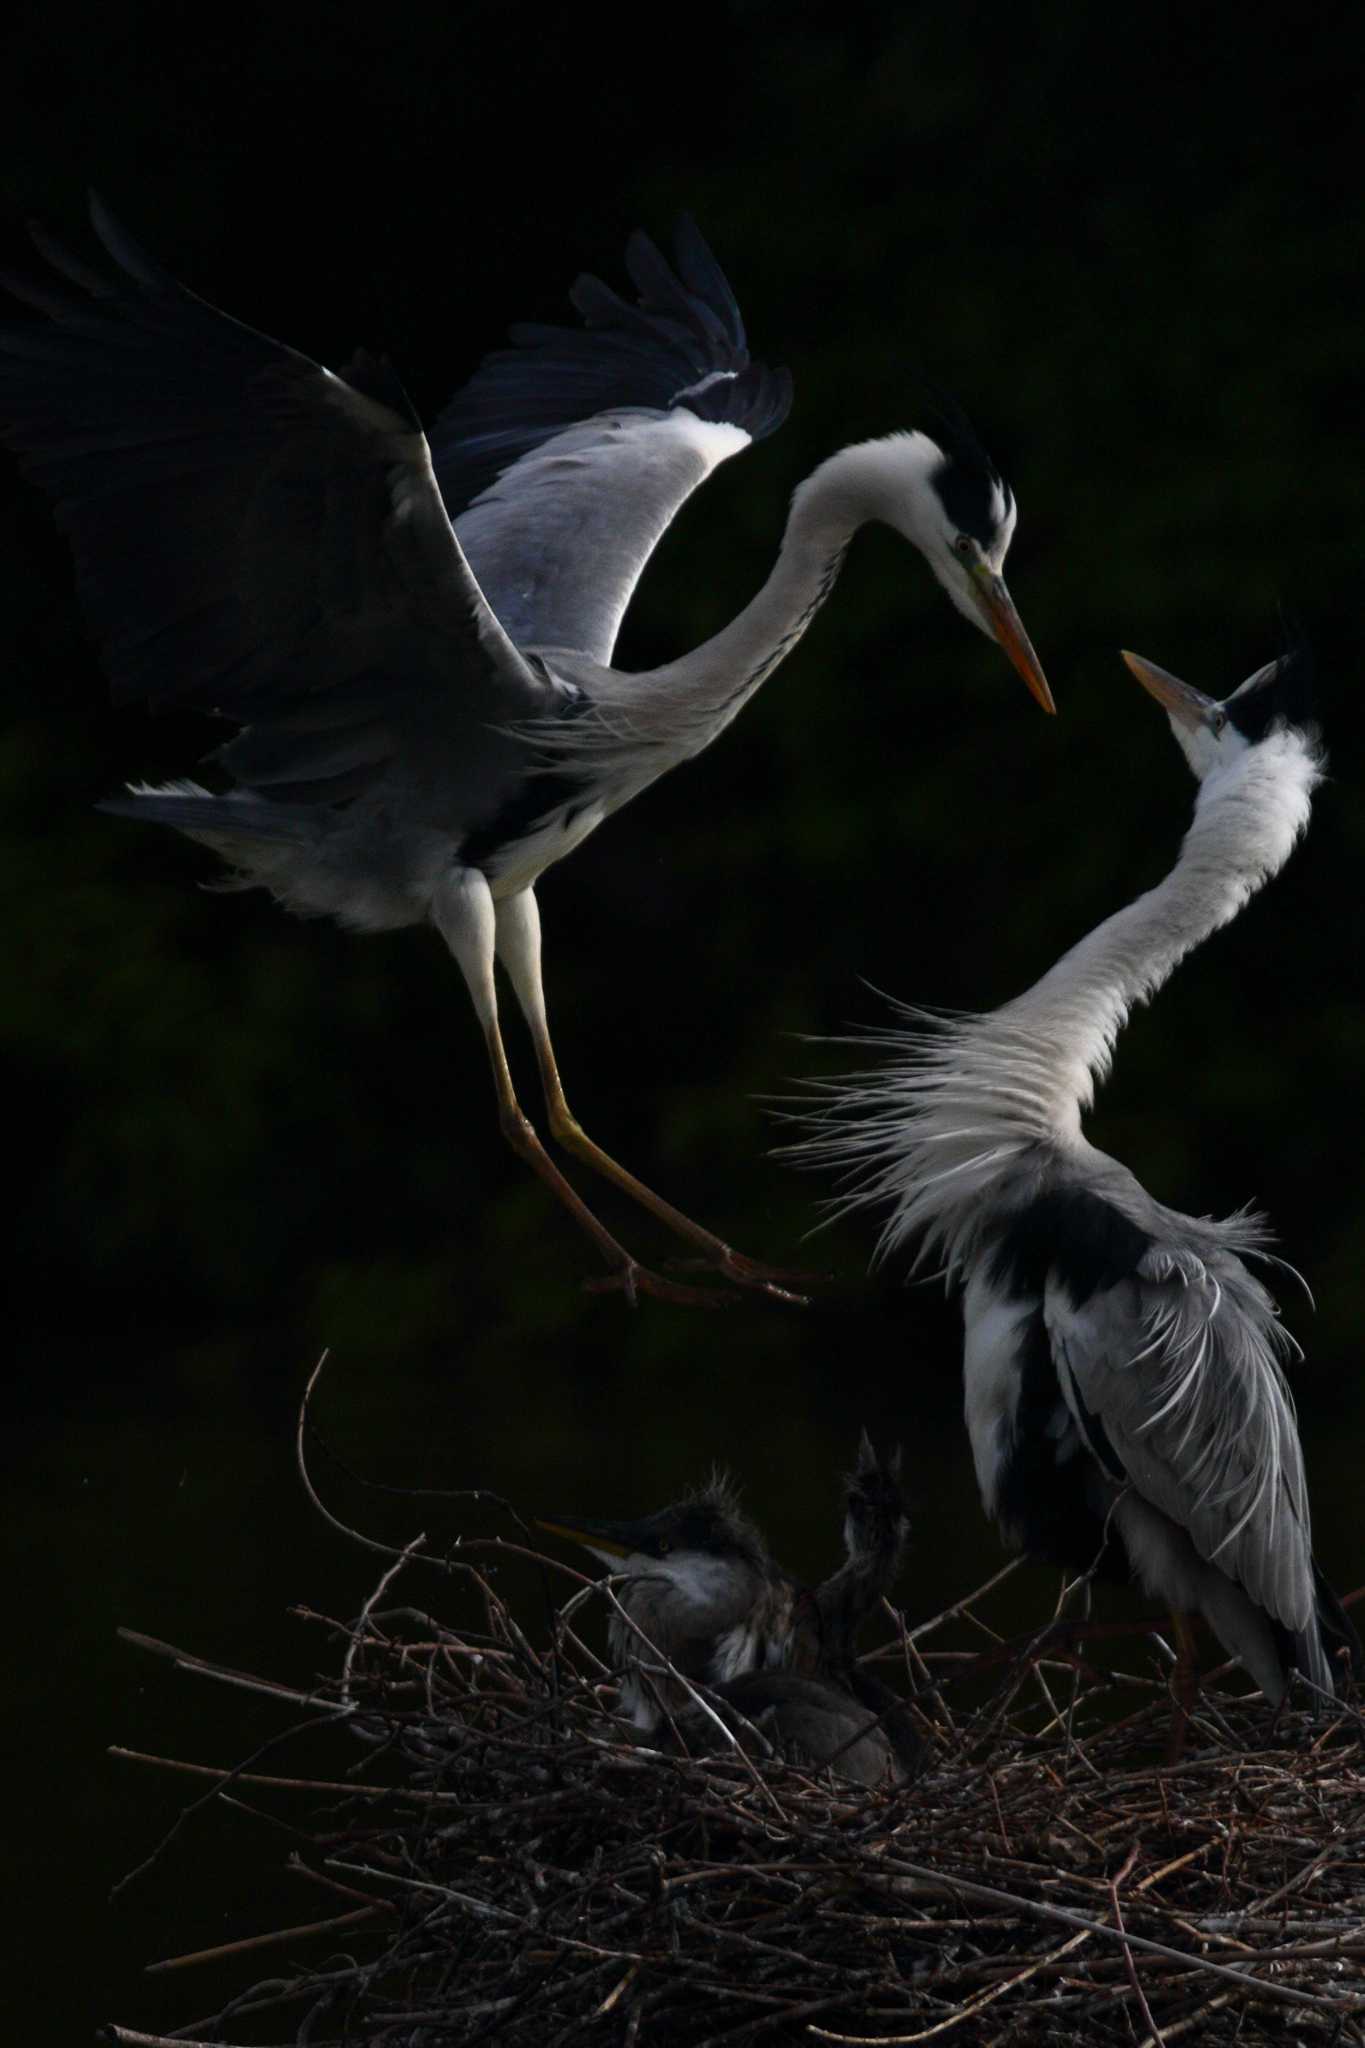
point(254, 535)
point(1174, 1380)
point(564, 459)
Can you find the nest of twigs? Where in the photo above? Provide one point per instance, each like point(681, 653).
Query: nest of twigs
point(508, 1865)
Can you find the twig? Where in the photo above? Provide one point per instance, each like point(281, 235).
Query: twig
point(1133, 1978)
point(278, 1934)
point(1039, 1910)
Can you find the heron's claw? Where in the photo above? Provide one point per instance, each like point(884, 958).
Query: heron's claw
point(776, 1282)
point(633, 1280)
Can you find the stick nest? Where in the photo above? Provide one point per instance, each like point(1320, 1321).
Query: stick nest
point(508, 1864)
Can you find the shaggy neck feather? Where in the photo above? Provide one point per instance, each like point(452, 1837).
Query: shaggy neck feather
point(957, 1103)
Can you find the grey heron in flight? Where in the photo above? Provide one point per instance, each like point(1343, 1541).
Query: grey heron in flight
point(703, 1603)
point(415, 636)
point(1124, 1386)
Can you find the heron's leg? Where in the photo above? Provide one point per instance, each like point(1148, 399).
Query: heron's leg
point(518, 948)
point(464, 916)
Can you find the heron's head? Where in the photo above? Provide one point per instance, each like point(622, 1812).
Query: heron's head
point(948, 499)
point(704, 1545)
point(1216, 732)
point(876, 1518)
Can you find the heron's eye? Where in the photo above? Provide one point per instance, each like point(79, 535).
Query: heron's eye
point(1217, 720)
point(663, 1546)
point(963, 545)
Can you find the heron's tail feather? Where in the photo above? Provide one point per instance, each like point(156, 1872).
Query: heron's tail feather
point(198, 812)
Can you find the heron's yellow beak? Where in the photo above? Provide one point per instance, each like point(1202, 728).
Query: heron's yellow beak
point(1189, 707)
point(598, 1536)
point(1008, 628)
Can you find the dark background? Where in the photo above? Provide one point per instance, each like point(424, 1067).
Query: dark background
point(1128, 241)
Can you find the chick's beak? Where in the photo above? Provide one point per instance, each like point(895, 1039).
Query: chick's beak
point(605, 1539)
point(1190, 708)
point(1005, 623)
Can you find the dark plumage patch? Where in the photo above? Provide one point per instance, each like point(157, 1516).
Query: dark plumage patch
point(535, 799)
point(1088, 1243)
point(1042, 1502)
point(968, 498)
point(967, 479)
point(710, 1524)
point(532, 803)
point(1284, 696)
point(717, 1532)
point(954, 432)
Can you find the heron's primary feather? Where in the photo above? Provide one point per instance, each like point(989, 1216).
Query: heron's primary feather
point(254, 536)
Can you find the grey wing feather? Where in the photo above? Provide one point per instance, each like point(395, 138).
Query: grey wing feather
point(565, 458)
point(254, 536)
point(1174, 1379)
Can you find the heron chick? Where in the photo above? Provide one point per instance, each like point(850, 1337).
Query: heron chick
point(416, 637)
point(876, 1533)
point(702, 1604)
point(1124, 1385)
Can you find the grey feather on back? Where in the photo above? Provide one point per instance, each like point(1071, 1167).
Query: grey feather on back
point(1180, 1363)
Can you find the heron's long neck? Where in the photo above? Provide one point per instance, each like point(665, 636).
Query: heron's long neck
point(1247, 819)
point(845, 1600)
point(959, 1105)
point(684, 704)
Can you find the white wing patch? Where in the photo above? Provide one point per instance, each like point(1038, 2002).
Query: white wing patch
point(736, 1653)
point(714, 440)
point(559, 541)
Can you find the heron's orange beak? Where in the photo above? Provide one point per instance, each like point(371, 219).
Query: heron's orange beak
point(1008, 628)
point(1189, 707)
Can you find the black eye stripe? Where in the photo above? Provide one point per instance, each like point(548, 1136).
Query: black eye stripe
point(967, 492)
point(1285, 696)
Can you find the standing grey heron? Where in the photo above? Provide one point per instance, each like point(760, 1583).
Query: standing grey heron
point(415, 637)
point(703, 1603)
point(1125, 1397)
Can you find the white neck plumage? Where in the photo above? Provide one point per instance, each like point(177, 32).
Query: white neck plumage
point(676, 710)
point(1248, 818)
point(960, 1100)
